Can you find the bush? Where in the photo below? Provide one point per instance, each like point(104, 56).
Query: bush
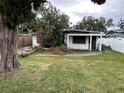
point(106, 48)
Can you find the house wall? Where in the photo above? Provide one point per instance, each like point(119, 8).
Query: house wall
point(77, 46)
point(116, 44)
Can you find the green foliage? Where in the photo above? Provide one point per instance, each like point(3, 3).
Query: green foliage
point(15, 12)
point(29, 27)
point(106, 48)
point(95, 24)
point(44, 34)
point(99, 2)
point(121, 24)
point(55, 21)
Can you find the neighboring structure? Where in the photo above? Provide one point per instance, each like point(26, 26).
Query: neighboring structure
point(115, 39)
point(83, 40)
point(118, 33)
point(27, 40)
point(116, 44)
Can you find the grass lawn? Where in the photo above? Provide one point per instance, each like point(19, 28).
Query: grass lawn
point(103, 73)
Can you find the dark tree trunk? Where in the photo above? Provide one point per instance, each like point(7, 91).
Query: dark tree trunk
point(9, 56)
point(0, 34)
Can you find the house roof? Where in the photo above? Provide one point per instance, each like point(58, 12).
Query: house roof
point(115, 31)
point(80, 31)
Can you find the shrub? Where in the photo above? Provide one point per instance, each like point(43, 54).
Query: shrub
point(106, 48)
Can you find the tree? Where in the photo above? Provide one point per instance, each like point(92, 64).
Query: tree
point(94, 24)
point(121, 24)
point(13, 13)
point(99, 2)
point(44, 34)
point(55, 21)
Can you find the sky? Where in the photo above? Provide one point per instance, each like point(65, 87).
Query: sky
point(77, 9)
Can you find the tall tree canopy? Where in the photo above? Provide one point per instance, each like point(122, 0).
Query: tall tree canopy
point(12, 13)
point(15, 12)
point(99, 1)
point(56, 21)
point(95, 24)
point(121, 23)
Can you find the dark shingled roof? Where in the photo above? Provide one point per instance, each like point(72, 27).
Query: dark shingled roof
point(115, 31)
point(80, 31)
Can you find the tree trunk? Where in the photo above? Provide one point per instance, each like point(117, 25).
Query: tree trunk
point(0, 35)
point(9, 56)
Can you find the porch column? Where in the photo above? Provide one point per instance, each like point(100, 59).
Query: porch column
point(68, 41)
point(100, 47)
point(90, 42)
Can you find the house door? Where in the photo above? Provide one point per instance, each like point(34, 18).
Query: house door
point(93, 43)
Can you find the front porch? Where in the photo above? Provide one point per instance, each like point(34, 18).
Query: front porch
point(84, 41)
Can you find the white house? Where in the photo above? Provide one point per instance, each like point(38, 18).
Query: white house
point(115, 39)
point(118, 33)
point(83, 39)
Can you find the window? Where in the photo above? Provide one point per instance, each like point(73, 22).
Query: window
point(79, 39)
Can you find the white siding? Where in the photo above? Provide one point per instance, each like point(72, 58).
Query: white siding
point(78, 46)
point(34, 42)
point(69, 41)
point(116, 44)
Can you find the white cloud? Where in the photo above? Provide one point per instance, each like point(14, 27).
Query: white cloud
point(77, 9)
point(86, 7)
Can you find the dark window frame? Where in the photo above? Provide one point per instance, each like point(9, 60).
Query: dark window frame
point(79, 39)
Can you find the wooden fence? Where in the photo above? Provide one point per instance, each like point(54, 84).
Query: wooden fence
point(24, 40)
